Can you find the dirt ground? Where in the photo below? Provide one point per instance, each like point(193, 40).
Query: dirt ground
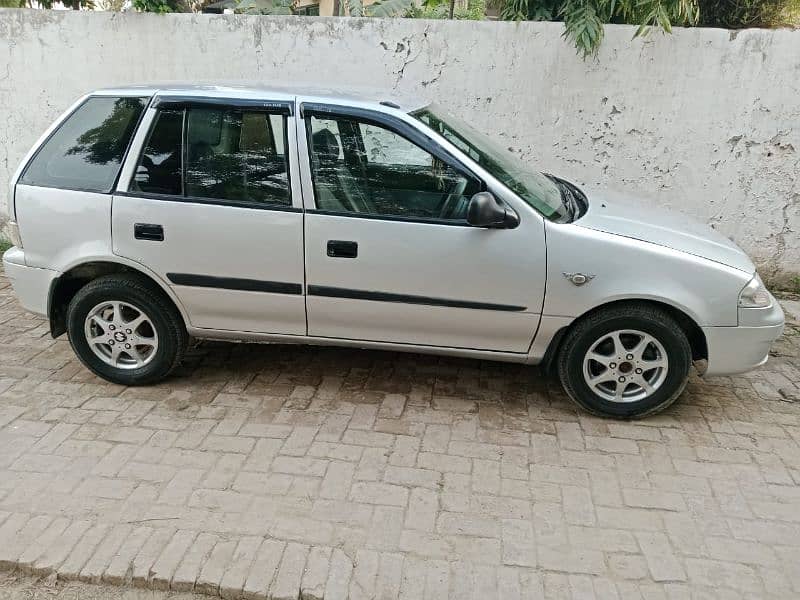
point(15, 586)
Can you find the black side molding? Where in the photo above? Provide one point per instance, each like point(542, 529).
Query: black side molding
point(335, 292)
point(234, 283)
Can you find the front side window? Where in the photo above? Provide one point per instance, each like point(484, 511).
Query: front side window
point(86, 151)
point(366, 168)
point(536, 189)
point(228, 154)
point(385, 147)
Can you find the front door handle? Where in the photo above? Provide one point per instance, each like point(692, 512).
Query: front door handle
point(342, 249)
point(148, 231)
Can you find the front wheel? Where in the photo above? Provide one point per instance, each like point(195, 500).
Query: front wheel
point(125, 330)
point(626, 361)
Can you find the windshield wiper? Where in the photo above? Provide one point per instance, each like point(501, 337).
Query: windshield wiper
point(568, 200)
point(571, 201)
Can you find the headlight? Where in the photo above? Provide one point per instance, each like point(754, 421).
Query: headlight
point(13, 233)
point(754, 294)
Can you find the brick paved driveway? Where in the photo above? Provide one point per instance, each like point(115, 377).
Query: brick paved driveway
point(277, 471)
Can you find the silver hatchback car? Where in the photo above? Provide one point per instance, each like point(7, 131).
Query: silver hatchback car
point(147, 215)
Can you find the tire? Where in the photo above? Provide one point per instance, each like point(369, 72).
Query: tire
point(156, 344)
point(652, 379)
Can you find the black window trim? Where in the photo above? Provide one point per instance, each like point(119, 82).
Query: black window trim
point(184, 147)
point(391, 122)
point(283, 107)
point(180, 102)
point(211, 201)
point(393, 218)
point(110, 191)
point(395, 125)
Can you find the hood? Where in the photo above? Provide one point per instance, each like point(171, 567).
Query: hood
point(634, 219)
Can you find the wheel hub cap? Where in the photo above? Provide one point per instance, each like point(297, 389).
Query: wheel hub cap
point(121, 335)
point(625, 366)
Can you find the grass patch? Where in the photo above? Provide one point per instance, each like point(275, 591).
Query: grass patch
point(791, 13)
point(4, 245)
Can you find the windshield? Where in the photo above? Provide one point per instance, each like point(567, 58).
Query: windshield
point(535, 188)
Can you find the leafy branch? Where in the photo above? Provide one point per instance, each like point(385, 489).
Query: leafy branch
point(584, 19)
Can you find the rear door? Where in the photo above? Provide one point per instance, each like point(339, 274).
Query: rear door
point(208, 203)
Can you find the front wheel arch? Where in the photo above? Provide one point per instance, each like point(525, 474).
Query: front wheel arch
point(638, 349)
point(694, 333)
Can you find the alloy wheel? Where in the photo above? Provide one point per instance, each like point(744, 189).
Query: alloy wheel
point(121, 335)
point(625, 366)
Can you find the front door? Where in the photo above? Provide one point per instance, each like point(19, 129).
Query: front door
point(208, 205)
point(389, 254)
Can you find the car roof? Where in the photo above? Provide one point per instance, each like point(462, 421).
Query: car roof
point(339, 94)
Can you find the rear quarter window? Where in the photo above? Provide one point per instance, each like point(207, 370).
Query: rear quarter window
point(86, 151)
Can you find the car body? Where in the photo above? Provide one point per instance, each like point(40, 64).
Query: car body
point(270, 215)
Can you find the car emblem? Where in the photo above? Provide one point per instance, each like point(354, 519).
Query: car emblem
point(578, 278)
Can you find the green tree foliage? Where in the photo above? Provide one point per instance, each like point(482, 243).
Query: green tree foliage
point(160, 6)
point(440, 9)
point(110, 5)
point(352, 8)
point(265, 7)
point(388, 8)
point(73, 4)
point(584, 19)
point(736, 14)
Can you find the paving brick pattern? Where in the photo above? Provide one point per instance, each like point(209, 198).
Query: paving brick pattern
point(289, 472)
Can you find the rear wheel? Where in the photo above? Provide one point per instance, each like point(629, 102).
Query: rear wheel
point(625, 361)
point(125, 330)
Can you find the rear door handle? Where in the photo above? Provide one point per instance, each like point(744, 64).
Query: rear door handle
point(148, 231)
point(342, 249)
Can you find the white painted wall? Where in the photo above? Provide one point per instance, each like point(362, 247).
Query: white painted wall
point(703, 121)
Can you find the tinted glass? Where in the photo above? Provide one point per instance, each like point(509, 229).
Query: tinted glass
point(533, 187)
point(366, 168)
point(385, 147)
point(235, 154)
point(159, 168)
point(86, 151)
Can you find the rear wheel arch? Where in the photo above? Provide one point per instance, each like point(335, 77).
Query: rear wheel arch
point(64, 288)
point(693, 331)
point(125, 330)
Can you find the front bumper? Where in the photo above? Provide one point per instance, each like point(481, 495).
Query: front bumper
point(733, 350)
point(31, 285)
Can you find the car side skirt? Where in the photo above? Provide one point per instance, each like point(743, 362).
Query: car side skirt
point(252, 337)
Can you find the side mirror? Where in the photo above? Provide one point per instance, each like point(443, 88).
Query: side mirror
point(484, 210)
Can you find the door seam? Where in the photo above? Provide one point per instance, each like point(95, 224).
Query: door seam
point(303, 193)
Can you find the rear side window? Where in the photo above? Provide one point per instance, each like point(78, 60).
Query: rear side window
point(86, 151)
point(230, 154)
